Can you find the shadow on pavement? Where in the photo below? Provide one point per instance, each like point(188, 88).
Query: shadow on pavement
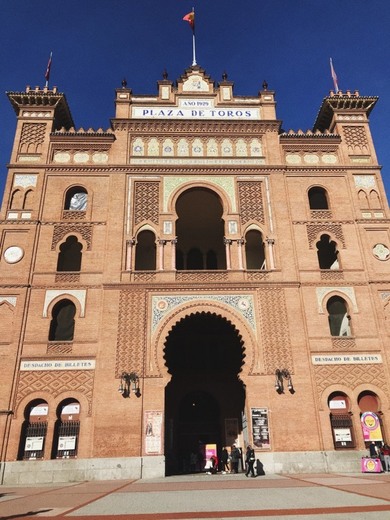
point(23, 515)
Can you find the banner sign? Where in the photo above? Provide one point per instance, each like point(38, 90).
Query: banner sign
point(371, 427)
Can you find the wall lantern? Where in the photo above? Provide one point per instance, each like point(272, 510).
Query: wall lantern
point(280, 375)
point(129, 383)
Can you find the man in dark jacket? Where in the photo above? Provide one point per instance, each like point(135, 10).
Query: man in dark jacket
point(235, 456)
point(250, 460)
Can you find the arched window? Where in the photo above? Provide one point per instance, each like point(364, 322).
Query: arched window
point(76, 199)
point(69, 257)
point(145, 253)
point(363, 199)
point(34, 428)
point(62, 323)
point(339, 320)
point(318, 198)
point(16, 200)
point(327, 253)
point(374, 200)
point(254, 250)
point(28, 199)
point(66, 430)
point(341, 421)
point(200, 230)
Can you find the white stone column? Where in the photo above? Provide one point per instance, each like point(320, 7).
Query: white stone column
point(240, 243)
point(173, 253)
point(161, 244)
point(129, 254)
point(227, 243)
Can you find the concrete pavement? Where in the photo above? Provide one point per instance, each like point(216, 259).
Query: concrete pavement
point(201, 496)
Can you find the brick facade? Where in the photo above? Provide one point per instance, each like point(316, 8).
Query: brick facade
point(196, 214)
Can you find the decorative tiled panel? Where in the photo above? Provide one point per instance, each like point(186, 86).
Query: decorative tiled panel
point(242, 304)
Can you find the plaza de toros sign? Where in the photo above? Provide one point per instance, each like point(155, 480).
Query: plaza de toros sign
point(196, 109)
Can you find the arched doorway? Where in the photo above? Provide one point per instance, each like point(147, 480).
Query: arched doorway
point(205, 399)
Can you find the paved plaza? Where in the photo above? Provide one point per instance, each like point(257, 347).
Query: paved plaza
point(201, 496)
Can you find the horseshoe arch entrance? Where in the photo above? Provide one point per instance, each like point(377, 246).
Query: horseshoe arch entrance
point(205, 398)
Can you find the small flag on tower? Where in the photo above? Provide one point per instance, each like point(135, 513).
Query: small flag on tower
point(334, 76)
point(47, 73)
point(190, 18)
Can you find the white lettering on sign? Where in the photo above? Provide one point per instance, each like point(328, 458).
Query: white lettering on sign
point(195, 113)
point(347, 359)
point(61, 364)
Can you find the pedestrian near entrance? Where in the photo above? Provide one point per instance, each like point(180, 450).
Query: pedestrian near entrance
point(235, 456)
point(373, 450)
point(250, 460)
point(225, 460)
point(386, 456)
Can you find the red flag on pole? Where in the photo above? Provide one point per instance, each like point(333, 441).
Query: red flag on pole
point(190, 18)
point(47, 73)
point(334, 76)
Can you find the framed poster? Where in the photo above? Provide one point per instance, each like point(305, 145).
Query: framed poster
point(153, 432)
point(34, 443)
point(260, 428)
point(67, 443)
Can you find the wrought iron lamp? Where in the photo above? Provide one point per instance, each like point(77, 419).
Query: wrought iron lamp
point(129, 383)
point(280, 375)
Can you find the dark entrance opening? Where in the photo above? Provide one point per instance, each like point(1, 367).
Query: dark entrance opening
point(205, 399)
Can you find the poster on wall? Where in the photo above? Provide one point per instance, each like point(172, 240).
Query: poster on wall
point(260, 428)
point(371, 427)
point(67, 443)
point(153, 432)
point(34, 443)
point(342, 435)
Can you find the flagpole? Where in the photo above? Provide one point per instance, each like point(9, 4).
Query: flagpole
point(193, 50)
point(47, 73)
point(193, 41)
point(334, 76)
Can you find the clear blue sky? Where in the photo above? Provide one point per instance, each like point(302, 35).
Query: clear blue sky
point(96, 43)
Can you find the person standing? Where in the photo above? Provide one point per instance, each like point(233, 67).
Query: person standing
point(235, 456)
point(250, 461)
point(386, 456)
point(373, 450)
point(225, 460)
